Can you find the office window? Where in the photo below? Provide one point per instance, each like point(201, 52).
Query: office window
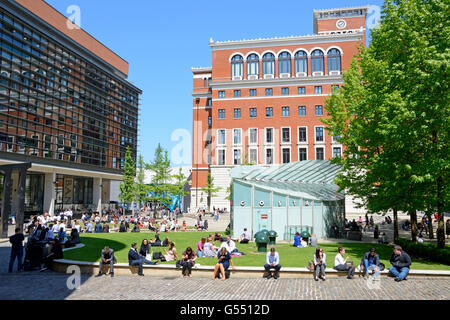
point(268, 63)
point(286, 155)
point(209, 102)
point(318, 89)
point(209, 121)
point(302, 154)
point(205, 83)
point(319, 111)
point(319, 133)
point(319, 154)
point(252, 112)
point(237, 93)
point(269, 112)
point(285, 91)
point(285, 111)
point(336, 138)
point(336, 152)
point(221, 94)
point(317, 61)
point(302, 111)
point(284, 63)
point(252, 65)
point(237, 136)
point(301, 62)
point(237, 113)
point(334, 60)
point(221, 157)
point(301, 90)
point(221, 136)
point(286, 134)
point(253, 156)
point(302, 134)
point(269, 92)
point(221, 113)
point(252, 92)
point(237, 66)
point(236, 156)
point(253, 135)
point(269, 156)
point(269, 135)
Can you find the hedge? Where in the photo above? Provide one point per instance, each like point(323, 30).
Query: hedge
point(425, 250)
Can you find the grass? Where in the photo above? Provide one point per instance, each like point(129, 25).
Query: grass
point(289, 256)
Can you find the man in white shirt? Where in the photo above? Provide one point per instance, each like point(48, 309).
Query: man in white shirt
point(245, 236)
point(229, 245)
point(341, 264)
point(272, 262)
point(55, 227)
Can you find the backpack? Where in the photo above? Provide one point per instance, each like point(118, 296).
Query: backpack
point(157, 255)
point(179, 264)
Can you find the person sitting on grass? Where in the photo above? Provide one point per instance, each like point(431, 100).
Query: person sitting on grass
point(200, 245)
point(75, 236)
point(62, 237)
point(144, 249)
point(217, 237)
point(171, 254)
point(401, 262)
point(245, 236)
point(107, 257)
point(383, 239)
point(105, 228)
point(229, 245)
point(223, 264)
point(320, 263)
point(156, 242)
point(209, 249)
point(272, 262)
point(98, 227)
point(188, 261)
point(297, 240)
point(371, 262)
point(341, 264)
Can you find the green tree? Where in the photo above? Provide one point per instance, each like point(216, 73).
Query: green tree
point(178, 187)
point(392, 114)
point(126, 187)
point(210, 189)
point(160, 188)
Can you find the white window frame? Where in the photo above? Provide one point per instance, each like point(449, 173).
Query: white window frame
point(281, 136)
point(10, 145)
point(249, 136)
point(249, 158)
point(315, 135)
point(265, 136)
point(265, 155)
point(315, 152)
point(290, 154)
point(302, 147)
point(298, 135)
point(240, 150)
point(332, 150)
point(225, 137)
point(240, 137)
point(225, 156)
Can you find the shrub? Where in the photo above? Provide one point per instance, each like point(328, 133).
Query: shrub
point(427, 251)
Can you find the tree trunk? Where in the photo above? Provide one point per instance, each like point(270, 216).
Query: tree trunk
point(430, 227)
point(441, 227)
point(414, 231)
point(395, 224)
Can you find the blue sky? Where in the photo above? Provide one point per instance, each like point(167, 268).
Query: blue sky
point(162, 40)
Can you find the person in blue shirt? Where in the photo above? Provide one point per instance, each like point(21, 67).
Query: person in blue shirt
point(62, 236)
point(298, 240)
point(371, 262)
point(98, 228)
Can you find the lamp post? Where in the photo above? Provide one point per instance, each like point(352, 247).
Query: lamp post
point(197, 102)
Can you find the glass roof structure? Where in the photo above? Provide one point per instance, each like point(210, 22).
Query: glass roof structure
point(312, 179)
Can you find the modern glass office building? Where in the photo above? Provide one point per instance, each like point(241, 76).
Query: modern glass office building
point(65, 106)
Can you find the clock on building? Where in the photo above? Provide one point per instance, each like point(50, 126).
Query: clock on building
point(341, 24)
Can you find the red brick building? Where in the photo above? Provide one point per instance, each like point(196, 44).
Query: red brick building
point(262, 100)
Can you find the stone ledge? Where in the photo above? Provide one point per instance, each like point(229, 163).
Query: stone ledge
point(86, 267)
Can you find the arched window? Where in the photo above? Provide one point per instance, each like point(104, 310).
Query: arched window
point(253, 65)
point(237, 66)
point(268, 63)
point(301, 62)
point(284, 63)
point(317, 61)
point(334, 60)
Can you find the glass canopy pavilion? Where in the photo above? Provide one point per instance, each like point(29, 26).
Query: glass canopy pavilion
point(290, 198)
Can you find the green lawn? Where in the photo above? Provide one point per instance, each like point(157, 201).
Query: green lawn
point(289, 256)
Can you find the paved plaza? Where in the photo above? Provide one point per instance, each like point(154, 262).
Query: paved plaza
point(49, 285)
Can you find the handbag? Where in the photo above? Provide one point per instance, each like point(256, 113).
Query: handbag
point(310, 265)
point(179, 264)
point(157, 255)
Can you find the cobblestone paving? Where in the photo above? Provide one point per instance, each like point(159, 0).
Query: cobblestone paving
point(49, 285)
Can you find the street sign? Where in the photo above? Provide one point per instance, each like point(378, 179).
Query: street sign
point(264, 216)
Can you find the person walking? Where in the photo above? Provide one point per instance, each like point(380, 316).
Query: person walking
point(272, 262)
point(16, 250)
point(320, 263)
point(107, 257)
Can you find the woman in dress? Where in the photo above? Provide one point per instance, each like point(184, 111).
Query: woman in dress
point(223, 264)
